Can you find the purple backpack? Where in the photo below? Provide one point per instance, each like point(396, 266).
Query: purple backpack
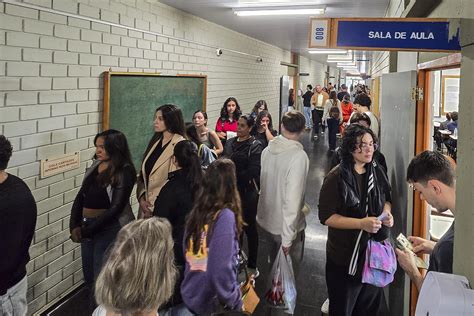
point(380, 263)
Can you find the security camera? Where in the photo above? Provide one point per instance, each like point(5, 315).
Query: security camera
point(259, 59)
point(218, 52)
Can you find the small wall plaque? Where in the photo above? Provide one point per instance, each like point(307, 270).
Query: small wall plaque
point(52, 166)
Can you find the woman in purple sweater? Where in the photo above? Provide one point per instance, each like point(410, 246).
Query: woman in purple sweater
point(211, 241)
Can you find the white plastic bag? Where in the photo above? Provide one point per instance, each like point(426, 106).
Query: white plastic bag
point(282, 289)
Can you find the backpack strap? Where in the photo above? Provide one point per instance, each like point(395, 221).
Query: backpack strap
point(200, 151)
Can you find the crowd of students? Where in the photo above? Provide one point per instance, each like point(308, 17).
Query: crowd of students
point(200, 191)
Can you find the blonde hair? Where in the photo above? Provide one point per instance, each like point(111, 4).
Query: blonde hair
point(139, 274)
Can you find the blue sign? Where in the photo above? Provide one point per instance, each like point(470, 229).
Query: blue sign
point(409, 35)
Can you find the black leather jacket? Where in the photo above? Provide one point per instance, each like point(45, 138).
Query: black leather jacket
point(119, 196)
point(353, 199)
point(246, 155)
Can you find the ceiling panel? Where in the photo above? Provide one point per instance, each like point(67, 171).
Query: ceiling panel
point(287, 32)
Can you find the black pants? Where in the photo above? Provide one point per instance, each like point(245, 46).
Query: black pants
point(317, 116)
point(333, 129)
point(249, 208)
point(348, 296)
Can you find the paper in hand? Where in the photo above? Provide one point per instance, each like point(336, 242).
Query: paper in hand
point(404, 244)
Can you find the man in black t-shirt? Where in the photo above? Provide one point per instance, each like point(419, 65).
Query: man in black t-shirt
point(307, 105)
point(431, 174)
point(17, 226)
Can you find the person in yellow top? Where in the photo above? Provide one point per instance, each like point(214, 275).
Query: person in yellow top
point(318, 100)
point(169, 130)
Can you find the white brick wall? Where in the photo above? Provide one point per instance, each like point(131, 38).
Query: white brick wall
point(51, 98)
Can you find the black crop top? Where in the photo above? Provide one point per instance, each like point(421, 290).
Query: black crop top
point(95, 196)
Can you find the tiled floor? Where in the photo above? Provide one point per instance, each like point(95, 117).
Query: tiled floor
point(311, 282)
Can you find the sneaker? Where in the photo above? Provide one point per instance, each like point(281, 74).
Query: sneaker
point(254, 272)
point(315, 137)
point(242, 277)
point(325, 307)
point(322, 132)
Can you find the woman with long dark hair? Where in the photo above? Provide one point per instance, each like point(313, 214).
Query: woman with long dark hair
point(169, 130)
point(263, 130)
point(175, 202)
point(207, 136)
point(245, 151)
point(227, 122)
point(354, 194)
point(211, 241)
point(205, 154)
point(260, 106)
point(102, 206)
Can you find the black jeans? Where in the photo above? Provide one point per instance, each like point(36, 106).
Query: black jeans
point(348, 296)
point(317, 116)
point(249, 198)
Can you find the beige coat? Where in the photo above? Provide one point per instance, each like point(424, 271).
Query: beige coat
point(159, 173)
point(314, 100)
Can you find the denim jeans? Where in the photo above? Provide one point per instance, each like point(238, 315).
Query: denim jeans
point(94, 250)
point(307, 115)
point(94, 254)
point(13, 303)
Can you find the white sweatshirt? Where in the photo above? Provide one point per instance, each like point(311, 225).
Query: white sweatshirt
point(283, 183)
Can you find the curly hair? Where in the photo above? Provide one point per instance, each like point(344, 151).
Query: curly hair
point(363, 99)
point(351, 140)
point(6, 151)
point(237, 113)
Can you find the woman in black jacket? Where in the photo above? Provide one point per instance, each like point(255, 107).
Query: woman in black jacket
point(175, 201)
point(245, 151)
point(353, 195)
point(102, 204)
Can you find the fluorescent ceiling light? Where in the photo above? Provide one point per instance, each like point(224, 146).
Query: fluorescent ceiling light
point(289, 10)
point(327, 51)
point(335, 58)
point(346, 63)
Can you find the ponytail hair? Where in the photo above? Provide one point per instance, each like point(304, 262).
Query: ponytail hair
point(185, 153)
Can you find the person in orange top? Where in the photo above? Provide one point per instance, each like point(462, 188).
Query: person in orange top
point(346, 106)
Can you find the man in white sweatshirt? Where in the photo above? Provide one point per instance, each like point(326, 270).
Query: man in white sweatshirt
point(283, 175)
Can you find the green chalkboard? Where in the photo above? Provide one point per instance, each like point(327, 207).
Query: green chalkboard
point(130, 101)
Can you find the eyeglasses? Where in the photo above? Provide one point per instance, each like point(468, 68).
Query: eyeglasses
point(365, 146)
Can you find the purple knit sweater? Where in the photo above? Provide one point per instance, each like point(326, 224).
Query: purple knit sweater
point(203, 292)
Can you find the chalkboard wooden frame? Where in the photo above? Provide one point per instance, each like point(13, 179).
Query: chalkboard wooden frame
point(109, 74)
